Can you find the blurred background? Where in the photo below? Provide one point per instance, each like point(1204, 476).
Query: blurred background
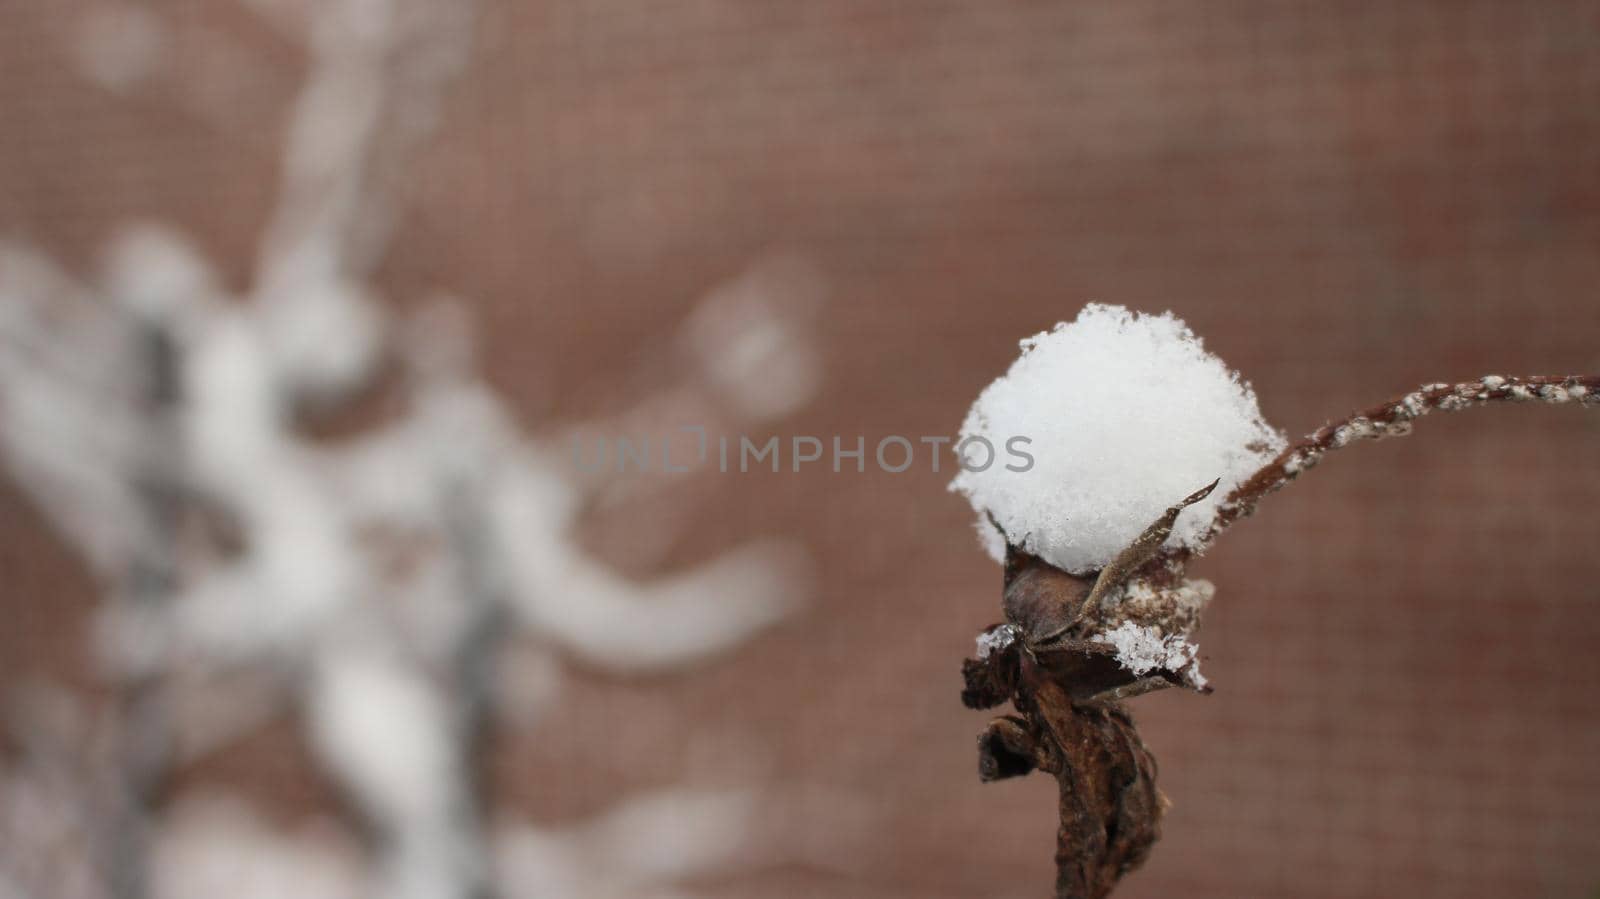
point(302, 305)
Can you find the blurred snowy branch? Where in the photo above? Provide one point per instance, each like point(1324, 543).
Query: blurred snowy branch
point(365, 586)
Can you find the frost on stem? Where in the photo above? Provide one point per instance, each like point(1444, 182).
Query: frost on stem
point(1391, 419)
point(1127, 412)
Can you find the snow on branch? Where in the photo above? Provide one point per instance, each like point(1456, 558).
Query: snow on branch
point(1394, 419)
point(368, 588)
point(1127, 413)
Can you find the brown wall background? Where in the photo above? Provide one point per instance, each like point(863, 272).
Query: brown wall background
point(1344, 199)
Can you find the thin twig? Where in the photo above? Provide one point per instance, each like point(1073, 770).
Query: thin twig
point(1390, 419)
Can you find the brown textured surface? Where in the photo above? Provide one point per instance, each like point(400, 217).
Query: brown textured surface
point(1110, 806)
point(1345, 199)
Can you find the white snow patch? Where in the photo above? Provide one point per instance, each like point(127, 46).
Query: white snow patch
point(215, 845)
point(323, 337)
point(1300, 460)
point(1144, 649)
point(157, 273)
point(1126, 414)
point(754, 337)
point(384, 727)
point(1185, 599)
point(1357, 429)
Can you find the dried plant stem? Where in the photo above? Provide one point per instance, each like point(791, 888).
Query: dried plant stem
point(1110, 809)
point(1393, 419)
point(1070, 721)
point(473, 670)
point(144, 728)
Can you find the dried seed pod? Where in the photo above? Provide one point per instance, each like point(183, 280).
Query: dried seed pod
point(1041, 600)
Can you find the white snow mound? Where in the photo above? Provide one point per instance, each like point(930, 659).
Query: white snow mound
point(1126, 414)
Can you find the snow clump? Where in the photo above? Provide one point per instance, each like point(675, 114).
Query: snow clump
point(1124, 415)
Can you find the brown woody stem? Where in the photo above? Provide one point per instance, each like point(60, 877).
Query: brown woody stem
point(1110, 809)
point(1070, 720)
point(1393, 419)
point(1109, 805)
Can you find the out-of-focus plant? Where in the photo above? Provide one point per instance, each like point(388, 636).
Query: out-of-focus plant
point(367, 586)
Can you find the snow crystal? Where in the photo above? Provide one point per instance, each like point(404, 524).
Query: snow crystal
point(1144, 649)
point(1554, 393)
point(1360, 428)
point(1178, 607)
point(1126, 414)
point(1300, 460)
